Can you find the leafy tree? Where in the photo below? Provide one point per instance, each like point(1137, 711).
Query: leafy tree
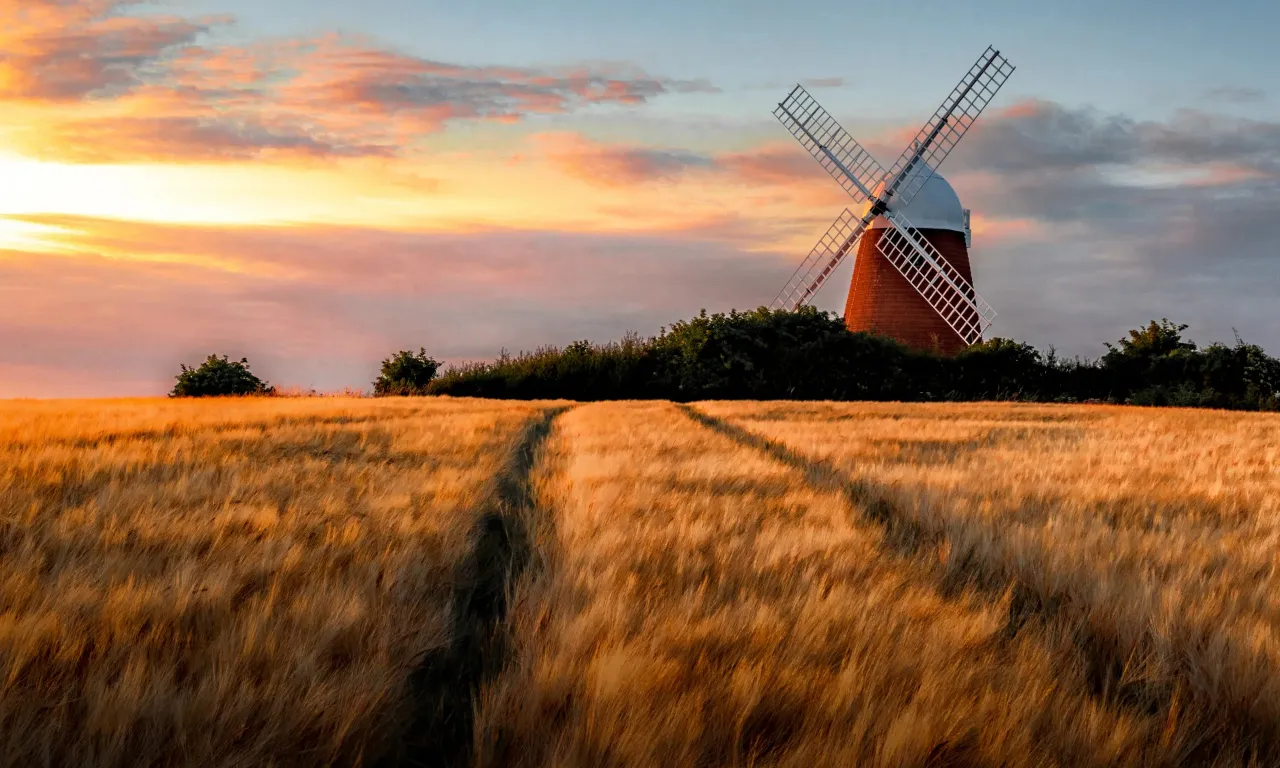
point(1157, 339)
point(219, 377)
point(1261, 375)
point(406, 373)
point(1242, 376)
point(1151, 365)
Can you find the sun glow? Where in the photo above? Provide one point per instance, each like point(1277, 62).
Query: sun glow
point(453, 192)
point(233, 194)
point(17, 234)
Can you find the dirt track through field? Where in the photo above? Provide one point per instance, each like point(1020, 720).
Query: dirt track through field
point(906, 539)
point(662, 544)
point(444, 686)
point(1113, 665)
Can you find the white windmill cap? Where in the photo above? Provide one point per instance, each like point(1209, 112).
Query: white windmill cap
point(935, 206)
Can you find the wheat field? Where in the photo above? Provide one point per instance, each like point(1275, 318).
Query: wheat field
point(468, 582)
point(231, 583)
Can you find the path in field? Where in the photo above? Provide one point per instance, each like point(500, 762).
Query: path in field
point(444, 686)
point(703, 596)
point(242, 582)
point(1216, 691)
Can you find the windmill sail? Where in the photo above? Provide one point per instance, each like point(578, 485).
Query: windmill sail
point(947, 126)
point(932, 276)
point(911, 253)
point(841, 239)
point(818, 132)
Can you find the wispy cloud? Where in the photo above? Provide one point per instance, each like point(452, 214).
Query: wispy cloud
point(609, 164)
point(1042, 135)
point(824, 82)
point(812, 83)
point(60, 51)
point(617, 165)
point(1236, 95)
point(155, 88)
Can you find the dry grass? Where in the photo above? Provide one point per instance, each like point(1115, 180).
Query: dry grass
point(703, 603)
point(864, 589)
point(726, 584)
point(233, 583)
point(1147, 536)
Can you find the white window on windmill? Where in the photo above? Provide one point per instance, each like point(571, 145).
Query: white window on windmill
point(968, 230)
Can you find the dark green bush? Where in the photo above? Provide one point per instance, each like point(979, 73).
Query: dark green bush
point(999, 369)
point(219, 377)
point(810, 355)
point(764, 354)
point(1156, 366)
point(581, 371)
point(406, 373)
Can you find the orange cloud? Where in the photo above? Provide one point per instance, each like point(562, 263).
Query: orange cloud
point(1227, 174)
point(130, 88)
point(775, 163)
point(774, 175)
point(60, 51)
point(1023, 110)
point(989, 231)
point(617, 165)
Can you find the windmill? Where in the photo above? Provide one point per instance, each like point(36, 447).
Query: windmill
point(912, 278)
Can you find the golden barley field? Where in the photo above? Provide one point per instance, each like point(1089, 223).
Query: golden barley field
point(248, 582)
point(468, 582)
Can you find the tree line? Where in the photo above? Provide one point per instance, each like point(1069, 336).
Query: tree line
point(810, 355)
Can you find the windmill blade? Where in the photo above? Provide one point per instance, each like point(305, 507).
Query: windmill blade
point(933, 277)
point(842, 157)
point(947, 126)
point(840, 240)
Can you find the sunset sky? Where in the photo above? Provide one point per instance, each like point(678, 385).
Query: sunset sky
point(314, 184)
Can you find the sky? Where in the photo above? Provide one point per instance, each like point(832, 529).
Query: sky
point(315, 184)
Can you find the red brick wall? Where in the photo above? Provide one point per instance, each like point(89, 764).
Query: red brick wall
point(881, 300)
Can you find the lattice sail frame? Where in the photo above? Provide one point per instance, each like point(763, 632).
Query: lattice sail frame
point(941, 285)
point(948, 125)
point(841, 238)
point(934, 278)
point(839, 154)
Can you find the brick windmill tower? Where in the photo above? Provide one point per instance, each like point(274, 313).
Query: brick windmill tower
point(912, 279)
point(882, 300)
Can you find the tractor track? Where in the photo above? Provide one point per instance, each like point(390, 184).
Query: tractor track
point(443, 688)
point(1107, 657)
